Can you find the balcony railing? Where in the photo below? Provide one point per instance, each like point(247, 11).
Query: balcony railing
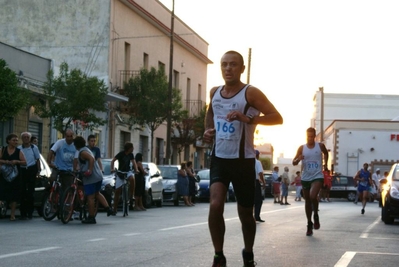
point(194, 107)
point(126, 75)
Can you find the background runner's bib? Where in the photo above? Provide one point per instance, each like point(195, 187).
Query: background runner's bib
point(312, 163)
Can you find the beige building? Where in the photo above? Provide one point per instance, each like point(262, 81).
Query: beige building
point(113, 39)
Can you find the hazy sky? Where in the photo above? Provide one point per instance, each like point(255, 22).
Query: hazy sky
point(346, 46)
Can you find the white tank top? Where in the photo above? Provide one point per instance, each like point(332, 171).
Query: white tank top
point(312, 163)
point(234, 139)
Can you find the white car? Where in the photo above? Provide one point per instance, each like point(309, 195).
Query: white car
point(153, 185)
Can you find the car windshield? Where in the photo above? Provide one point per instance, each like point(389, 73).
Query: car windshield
point(168, 172)
point(395, 175)
point(204, 175)
point(267, 176)
point(106, 166)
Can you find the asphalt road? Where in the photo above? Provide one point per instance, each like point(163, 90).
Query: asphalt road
point(179, 236)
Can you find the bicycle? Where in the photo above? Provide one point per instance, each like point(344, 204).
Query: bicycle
point(125, 191)
point(51, 203)
point(70, 202)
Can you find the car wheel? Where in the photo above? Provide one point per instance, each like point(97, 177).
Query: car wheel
point(351, 196)
point(3, 209)
point(382, 213)
point(159, 203)
point(148, 200)
point(386, 215)
point(176, 202)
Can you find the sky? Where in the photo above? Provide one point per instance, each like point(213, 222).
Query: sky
point(344, 46)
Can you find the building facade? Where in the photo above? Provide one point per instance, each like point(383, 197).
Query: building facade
point(352, 107)
point(31, 71)
point(353, 142)
point(113, 39)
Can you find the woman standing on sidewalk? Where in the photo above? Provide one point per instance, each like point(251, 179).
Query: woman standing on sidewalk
point(298, 186)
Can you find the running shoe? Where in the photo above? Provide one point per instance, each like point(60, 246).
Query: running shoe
point(309, 232)
point(89, 220)
point(316, 222)
point(362, 211)
point(219, 261)
point(248, 262)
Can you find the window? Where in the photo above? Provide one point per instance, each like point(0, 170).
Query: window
point(127, 56)
point(176, 78)
point(188, 89)
point(199, 92)
point(161, 65)
point(145, 61)
point(124, 137)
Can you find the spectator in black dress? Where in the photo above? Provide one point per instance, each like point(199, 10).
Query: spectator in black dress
point(191, 182)
point(140, 183)
point(11, 155)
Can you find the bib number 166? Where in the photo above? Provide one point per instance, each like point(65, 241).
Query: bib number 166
point(225, 127)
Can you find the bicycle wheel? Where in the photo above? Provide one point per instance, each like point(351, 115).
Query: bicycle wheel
point(51, 204)
point(125, 200)
point(67, 206)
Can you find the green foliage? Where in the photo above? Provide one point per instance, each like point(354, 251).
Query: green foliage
point(188, 129)
point(148, 99)
point(266, 163)
point(72, 96)
point(199, 127)
point(12, 98)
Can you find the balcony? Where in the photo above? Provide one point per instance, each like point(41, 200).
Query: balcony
point(194, 107)
point(126, 75)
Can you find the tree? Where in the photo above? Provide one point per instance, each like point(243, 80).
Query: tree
point(148, 105)
point(12, 97)
point(186, 130)
point(266, 163)
point(72, 96)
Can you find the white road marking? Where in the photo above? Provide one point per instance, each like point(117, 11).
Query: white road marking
point(345, 259)
point(365, 233)
point(183, 226)
point(96, 239)
point(132, 234)
point(228, 219)
point(27, 252)
point(348, 256)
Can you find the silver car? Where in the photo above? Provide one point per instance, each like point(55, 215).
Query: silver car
point(153, 183)
point(169, 174)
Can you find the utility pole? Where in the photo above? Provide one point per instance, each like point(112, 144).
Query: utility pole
point(249, 65)
point(169, 121)
point(321, 89)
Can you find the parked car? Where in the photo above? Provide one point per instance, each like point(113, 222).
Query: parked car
point(108, 183)
point(169, 175)
point(40, 189)
point(390, 195)
point(343, 187)
point(267, 175)
point(153, 183)
point(203, 192)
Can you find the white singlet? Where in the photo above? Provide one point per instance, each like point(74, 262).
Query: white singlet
point(312, 163)
point(234, 139)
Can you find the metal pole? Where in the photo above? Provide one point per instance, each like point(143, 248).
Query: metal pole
point(249, 65)
point(321, 89)
point(169, 121)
